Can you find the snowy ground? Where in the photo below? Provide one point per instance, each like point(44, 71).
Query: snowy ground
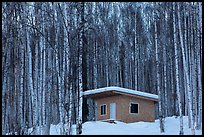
point(137, 128)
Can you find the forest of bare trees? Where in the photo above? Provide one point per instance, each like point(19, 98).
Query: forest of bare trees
point(53, 51)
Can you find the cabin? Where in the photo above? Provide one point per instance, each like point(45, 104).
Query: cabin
point(122, 104)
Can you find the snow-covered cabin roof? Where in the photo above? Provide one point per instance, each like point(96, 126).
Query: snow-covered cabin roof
point(120, 90)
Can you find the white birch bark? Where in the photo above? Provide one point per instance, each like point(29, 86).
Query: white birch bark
point(4, 96)
point(90, 102)
point(70, 110)
point(21, 87)
point(43, 74)
point(172, 87)
point(30, 77)
point(45, 132)
point(65, 44)
point(158, 80)
point(60, 97)
point(186, 56)
point(21, 105)
point(136, 53)
point(177, 67)
point(195, 66)
point(193, 94)
point(5, 65)
point(68, 97)
point(188, 81)
point(35, 88)
point(40, 89)
point(79, 102)
point(7, 122)
point(199, 68)
point(3, 105)
point(95, 65)
point(188, 77)
point(165, 80)
point(59, 82)
point(4, 68)
point(106, 67)
point(126, 67)
point(49, 91)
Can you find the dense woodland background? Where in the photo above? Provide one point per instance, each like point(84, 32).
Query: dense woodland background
point(51, 52)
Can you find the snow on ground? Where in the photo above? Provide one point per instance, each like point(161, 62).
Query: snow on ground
point(172, 127)
point(136, 128)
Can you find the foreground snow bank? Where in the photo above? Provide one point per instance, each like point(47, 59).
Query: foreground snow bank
point(136, 128)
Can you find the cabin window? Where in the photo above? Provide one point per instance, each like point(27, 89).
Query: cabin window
point(103, 109)
point(134, 108)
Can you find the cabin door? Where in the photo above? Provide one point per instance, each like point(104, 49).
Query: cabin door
point(112, 111)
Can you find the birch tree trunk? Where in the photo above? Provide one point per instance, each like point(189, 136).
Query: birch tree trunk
point(35, 88)
point(136, 53)
point(176, 65)
point(21, 105)
point(80, 89)
point(68, 96)
point(44, 93)
point(186, 57)
point(59, 79)
point(5, 65)
point(165, 78)
point(30, 87)
point(158, 79)
point(60, 96)
point(189, 78)
point(199, 67)
point(4, 95)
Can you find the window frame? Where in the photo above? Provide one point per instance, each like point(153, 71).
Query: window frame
point(105, 109)
point(130, 108)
